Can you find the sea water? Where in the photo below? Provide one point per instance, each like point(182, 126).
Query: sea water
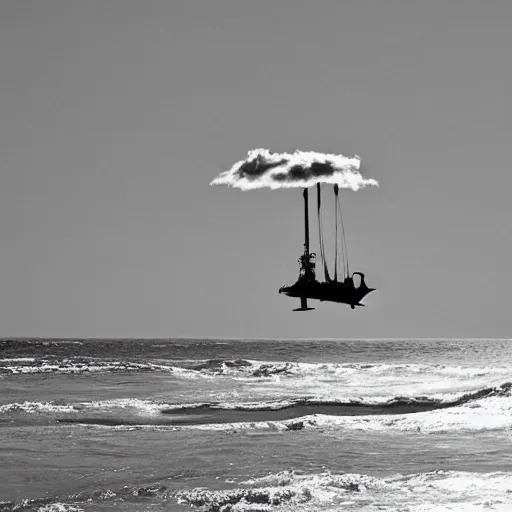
point(256, 425)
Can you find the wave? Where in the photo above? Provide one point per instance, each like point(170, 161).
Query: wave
point(41, 505)
point(484, 409)
point(395, 402)
point(434, 491)
point(88, 499)
point(278, 385)
point(150, 406)
point(99, 499)
point(492, 411)
point(242, 368)
point(258, 369)
point(28, 365)
point(143, 406)
point(348, 380)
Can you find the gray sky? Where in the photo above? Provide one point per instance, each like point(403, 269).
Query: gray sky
point(116, 115)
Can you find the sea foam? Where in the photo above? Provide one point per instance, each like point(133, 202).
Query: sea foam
point(436, 491)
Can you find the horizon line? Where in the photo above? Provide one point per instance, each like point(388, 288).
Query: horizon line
point(245, 338)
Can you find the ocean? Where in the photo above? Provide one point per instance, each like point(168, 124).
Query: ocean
point(255, 425)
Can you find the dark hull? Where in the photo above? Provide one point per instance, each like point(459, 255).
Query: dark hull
point(340, 292)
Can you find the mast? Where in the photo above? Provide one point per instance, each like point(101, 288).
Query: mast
point(336, 188)
point(306, 261)
point(306, 222)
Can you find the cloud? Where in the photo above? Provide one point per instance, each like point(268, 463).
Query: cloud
point(262, 168)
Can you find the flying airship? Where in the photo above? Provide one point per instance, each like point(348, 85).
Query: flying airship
point(345, 289)
point(304, 169)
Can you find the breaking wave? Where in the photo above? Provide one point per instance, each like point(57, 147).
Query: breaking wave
point(404, 384)
point(257, 369)
point(27, 365)
point(238, 368)
point(153, 406)
point(285, 488)
point(485, 409)
point(289, 490)
point(143, 406)
point(434, 491)
point(486, 412)
point(434, 401)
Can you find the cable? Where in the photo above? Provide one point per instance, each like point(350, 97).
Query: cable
point(344, 239)
point(320, 234)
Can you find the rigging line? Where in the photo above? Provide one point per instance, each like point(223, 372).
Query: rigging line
point(344, 239)
point(320, 234)
point(344, 246)
point(322, 245)
point(339, 241)
point(342, 257)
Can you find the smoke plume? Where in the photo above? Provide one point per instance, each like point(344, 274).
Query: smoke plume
point(262, 168)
